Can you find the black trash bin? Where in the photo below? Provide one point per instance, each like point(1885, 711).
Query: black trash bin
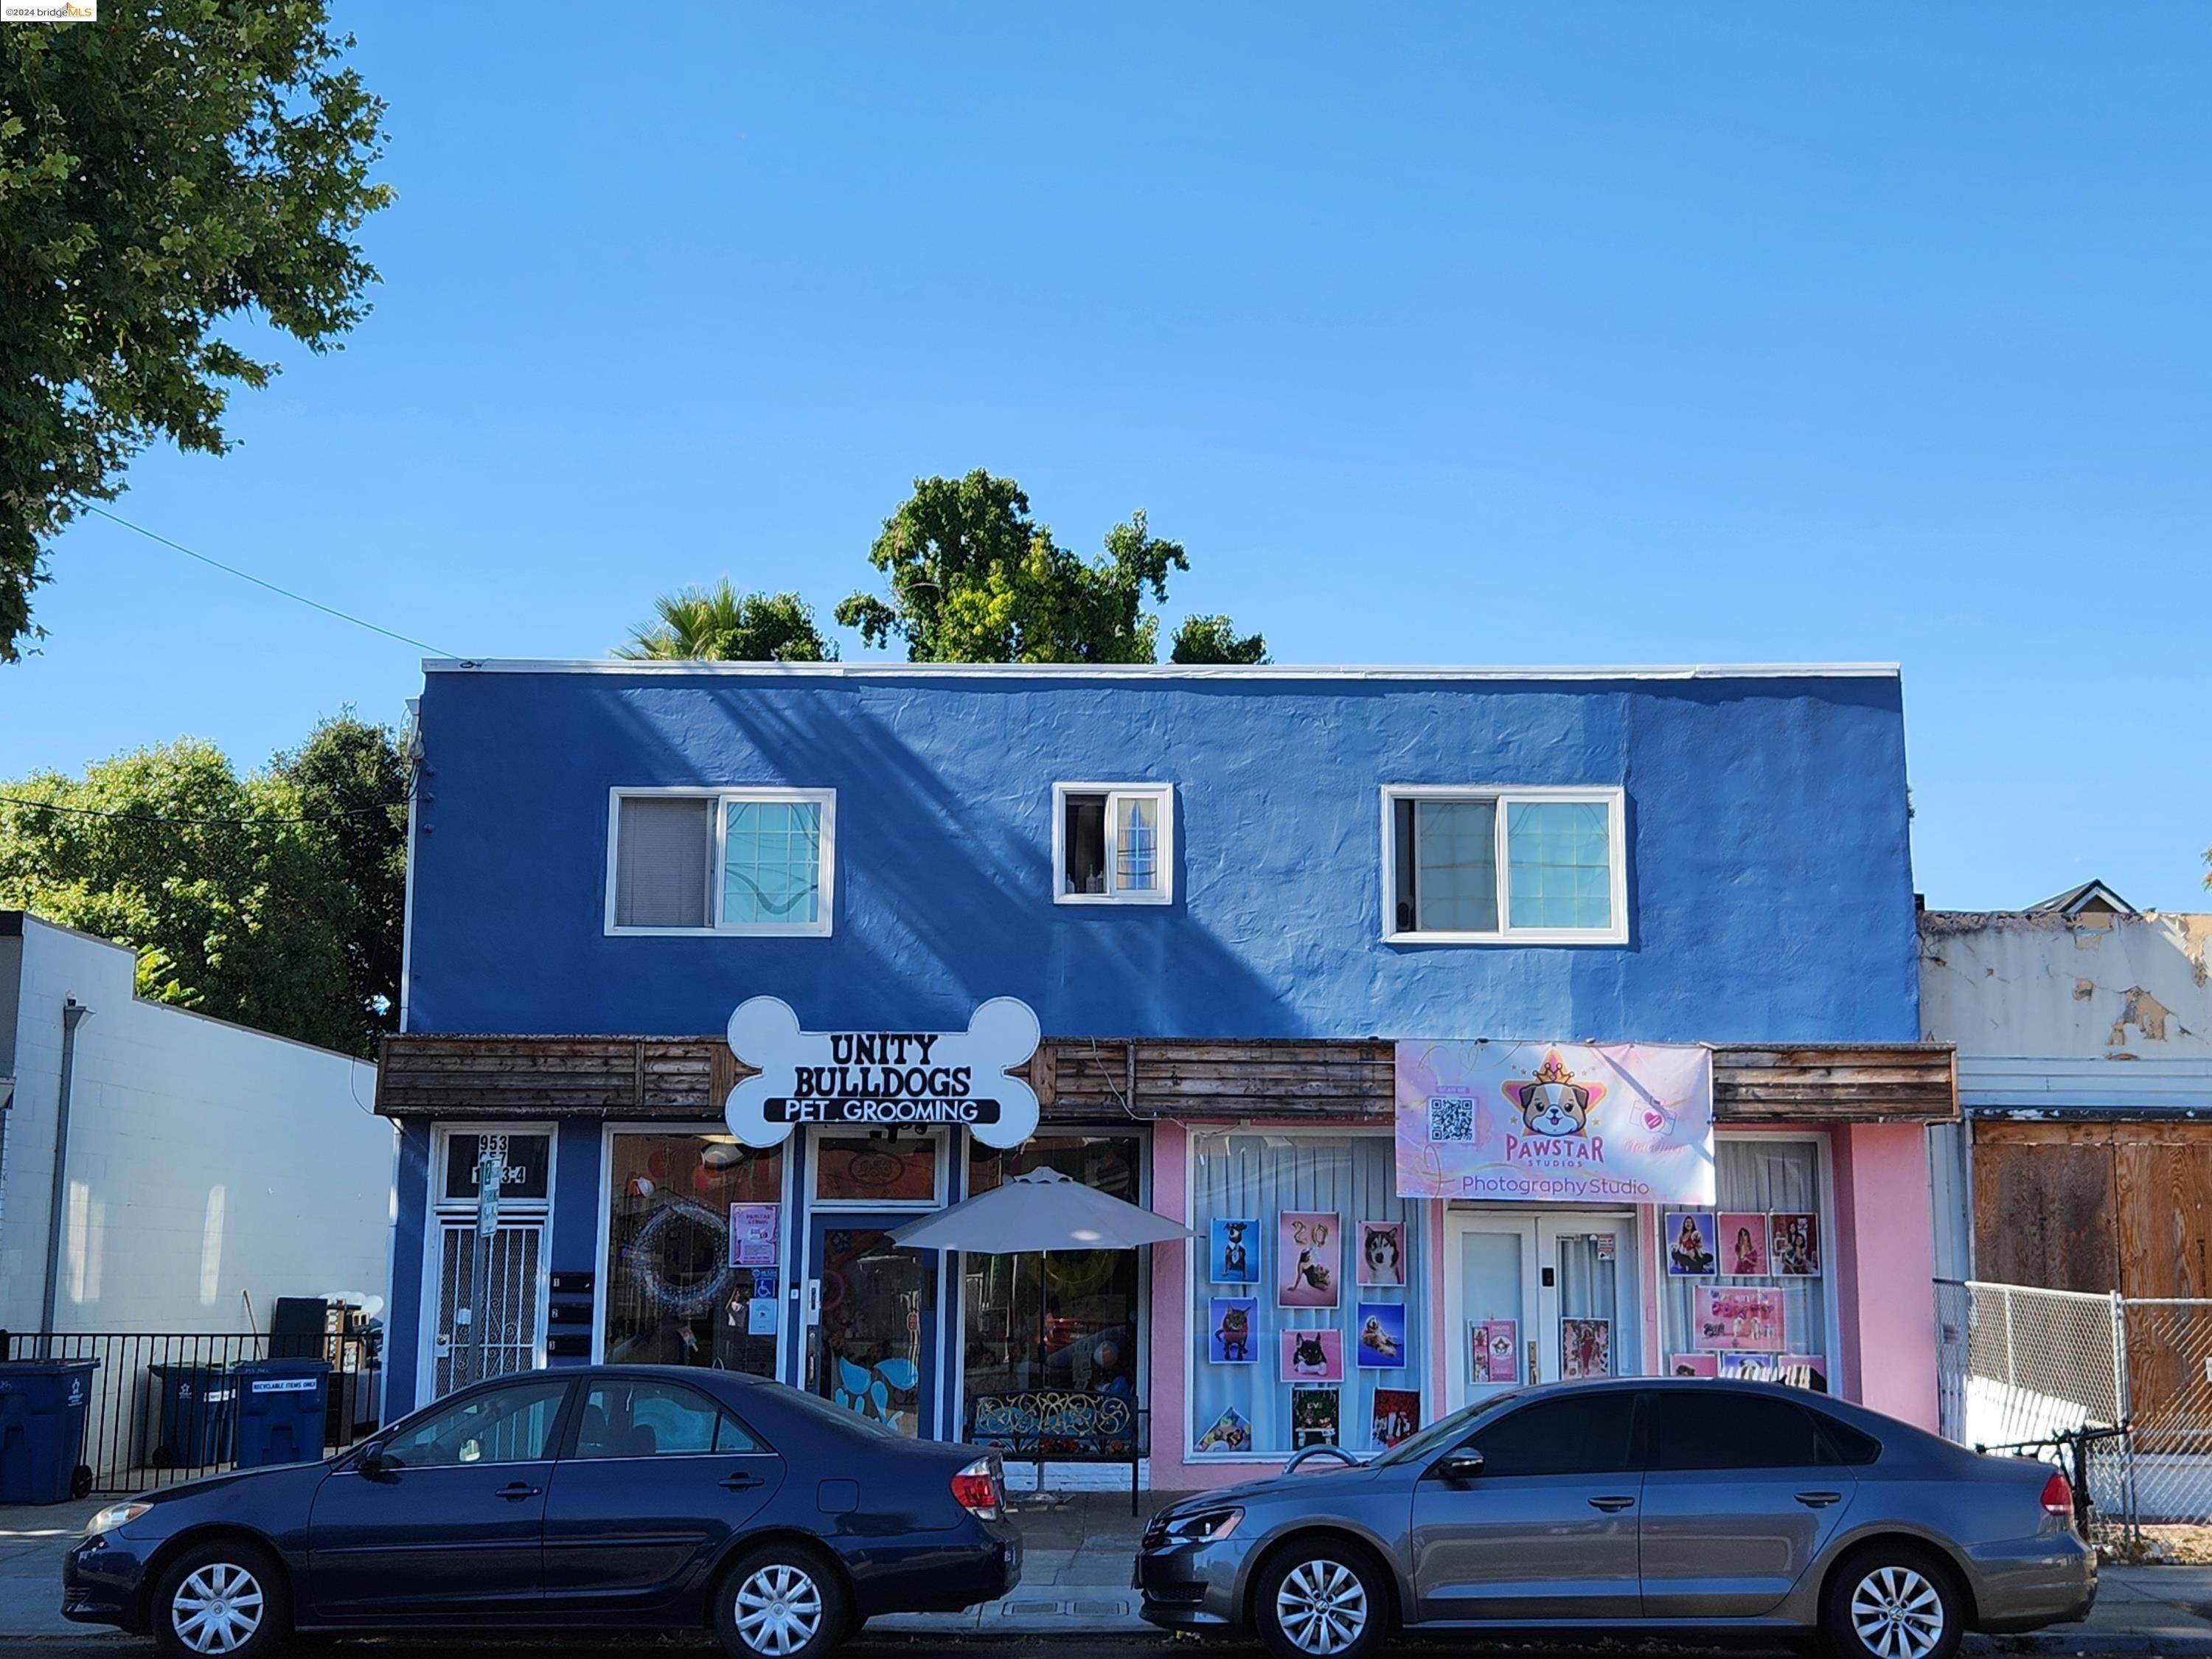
point(42, 1411)
point(280, 1411)
point(194, 1415)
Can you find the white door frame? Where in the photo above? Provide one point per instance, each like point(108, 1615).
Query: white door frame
point(441, 1211)
point(1540, 1231)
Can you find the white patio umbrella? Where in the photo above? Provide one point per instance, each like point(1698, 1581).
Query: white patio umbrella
point(1043, 1210)
point(1040, 1212)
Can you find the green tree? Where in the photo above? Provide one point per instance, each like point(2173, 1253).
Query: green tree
point(236, 907)
point(168, 167)
point(1215, 639)
point(974, 578)
point(719, 624)
point(350, 777)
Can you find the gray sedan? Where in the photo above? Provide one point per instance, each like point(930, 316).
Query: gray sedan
point(1649, 1506)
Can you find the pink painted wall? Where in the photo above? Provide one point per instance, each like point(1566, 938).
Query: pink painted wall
point(1884, 1264)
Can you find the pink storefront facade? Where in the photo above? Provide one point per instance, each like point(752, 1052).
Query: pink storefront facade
point(1833, 1212)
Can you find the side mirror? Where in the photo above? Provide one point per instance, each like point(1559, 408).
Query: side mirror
point(1464, 1464)
point(370, 1458)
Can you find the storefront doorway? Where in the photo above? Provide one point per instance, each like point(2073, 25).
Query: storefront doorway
point(872, 1348)
point(1539, 1297)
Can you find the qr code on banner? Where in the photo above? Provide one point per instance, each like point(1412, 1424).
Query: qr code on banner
point(1451, 1120)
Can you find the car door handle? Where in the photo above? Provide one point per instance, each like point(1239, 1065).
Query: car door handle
point(1612, 1506)
point(1819, 1500)
point(515, 1491)
point(740, 1482)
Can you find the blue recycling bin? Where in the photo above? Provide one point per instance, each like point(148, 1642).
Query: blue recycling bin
point(280, 1411)
point(42, 1410)
point(195, 1405)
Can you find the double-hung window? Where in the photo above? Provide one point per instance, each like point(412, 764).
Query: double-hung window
point(1467, 866)
point(1112, 844)
point(747, 861)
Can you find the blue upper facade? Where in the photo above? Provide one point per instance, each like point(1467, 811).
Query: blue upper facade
point(1768, 881)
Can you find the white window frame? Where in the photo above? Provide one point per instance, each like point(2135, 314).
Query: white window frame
point(1614, 801)
point(1162, 793)
point(723, 797)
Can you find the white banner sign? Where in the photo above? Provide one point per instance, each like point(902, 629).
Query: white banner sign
point(903, 1079)
point(1566, 1122)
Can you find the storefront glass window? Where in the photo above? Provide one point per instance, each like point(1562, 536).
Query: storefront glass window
point(1745, 1286)
point(1066, 1321)
point(862, 1169)
point(1307, 1324)
point(672, 1295)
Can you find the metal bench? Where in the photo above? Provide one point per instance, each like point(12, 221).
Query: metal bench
point(1061, 1426)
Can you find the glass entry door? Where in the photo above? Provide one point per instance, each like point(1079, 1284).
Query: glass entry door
point(1538, 1299)
point(873, 1346)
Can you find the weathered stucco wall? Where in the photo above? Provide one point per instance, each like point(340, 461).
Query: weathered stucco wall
point(1769, 880)
point(2096, 987)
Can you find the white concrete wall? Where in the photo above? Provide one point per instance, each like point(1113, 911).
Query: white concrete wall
point(206, 1162)
point(2099, 986)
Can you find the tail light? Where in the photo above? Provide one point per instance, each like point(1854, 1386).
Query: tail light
point(2058, 1497)
point(976, 1489)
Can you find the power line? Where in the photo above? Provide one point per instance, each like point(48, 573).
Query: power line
point(243, 575)
point(144, 817)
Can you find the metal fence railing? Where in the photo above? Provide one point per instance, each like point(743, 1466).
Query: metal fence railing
point(2058, 1372)
point(163, 1404)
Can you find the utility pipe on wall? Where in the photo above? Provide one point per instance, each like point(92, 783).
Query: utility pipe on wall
point(73, 1013)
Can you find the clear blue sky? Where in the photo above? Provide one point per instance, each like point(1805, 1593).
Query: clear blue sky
point(1596, 334)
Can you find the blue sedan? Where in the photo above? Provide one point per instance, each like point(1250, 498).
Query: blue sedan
point(625, 1496)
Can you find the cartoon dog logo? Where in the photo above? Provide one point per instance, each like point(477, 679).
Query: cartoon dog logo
point(1552, 1102)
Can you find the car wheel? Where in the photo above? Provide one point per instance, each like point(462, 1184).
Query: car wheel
point(1322, 1600)
point(1893, 1603)
point(781, 1602)
point(225, 1598)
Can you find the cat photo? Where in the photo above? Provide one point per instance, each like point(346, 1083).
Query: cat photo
point(1231, 1336)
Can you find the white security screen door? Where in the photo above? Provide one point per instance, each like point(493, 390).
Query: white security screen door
point(1538, 1299)
point(494, 1332)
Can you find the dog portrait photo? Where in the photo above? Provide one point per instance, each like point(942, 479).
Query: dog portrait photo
point(1383, 1254)
point(1381, 1335)
point(1236, 1252)
point(1312, 1355)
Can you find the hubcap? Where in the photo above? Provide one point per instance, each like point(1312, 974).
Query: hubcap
point(1322, 1606)
point(217, 1609)
point(779, 1610)
point(1897, 1614)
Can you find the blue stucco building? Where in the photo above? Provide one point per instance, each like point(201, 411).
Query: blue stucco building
point(1265, 871)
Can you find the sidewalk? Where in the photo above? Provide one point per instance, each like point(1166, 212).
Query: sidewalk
point(33, 1537)
point(1076, 1562)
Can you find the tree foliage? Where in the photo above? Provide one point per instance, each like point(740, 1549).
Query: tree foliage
point(236, 908)
point(719, 624)
point(974, 578)
point(176, 164)
point(350, 778)
point(1214, 639)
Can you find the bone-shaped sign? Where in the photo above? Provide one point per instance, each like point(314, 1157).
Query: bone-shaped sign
point(906, 1079)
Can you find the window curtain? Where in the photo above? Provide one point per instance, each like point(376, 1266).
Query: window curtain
point(1260, 1177)
point(1762, 1173)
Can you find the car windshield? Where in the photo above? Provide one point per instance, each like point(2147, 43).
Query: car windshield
point(1444, 1433)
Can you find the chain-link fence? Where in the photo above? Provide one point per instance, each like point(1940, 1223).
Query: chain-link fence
point(2045, 1371)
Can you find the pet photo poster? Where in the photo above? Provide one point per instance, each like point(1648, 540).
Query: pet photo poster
point(1235, 1254)
point(1397, 1413)
point(1312, 1355)
point(1690, 1235)
point(1232, 1336)
point(1382, 1255)
point(1308, 1243)
point(1315, 1417)
point(1381, 1335)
